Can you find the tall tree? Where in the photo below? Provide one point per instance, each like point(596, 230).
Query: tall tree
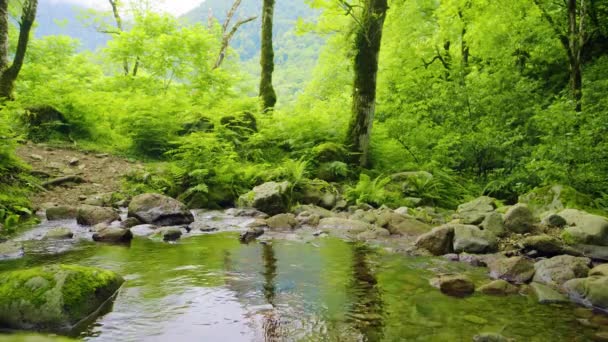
point(574, 38)
point(368, 38)
point(267, 93)
point(9, 71)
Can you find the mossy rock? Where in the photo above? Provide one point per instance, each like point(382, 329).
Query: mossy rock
point(54, 298)
point(328, 152)
point(45, 122)
point(554, 198)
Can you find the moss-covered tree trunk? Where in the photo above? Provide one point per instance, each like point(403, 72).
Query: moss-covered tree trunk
point(8, 71)
point(267, 93)
point(367, 49)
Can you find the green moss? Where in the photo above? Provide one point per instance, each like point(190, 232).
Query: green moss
point(558, 197)
point(569, 239)
point(54, 297)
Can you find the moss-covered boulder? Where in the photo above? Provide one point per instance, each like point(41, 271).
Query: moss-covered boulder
point(61, 213)
point(90, 215)
point(54, 298)
point(159, 210)
point(592, 291)
point(554, 198)
point(270, 198)
point(585, 228)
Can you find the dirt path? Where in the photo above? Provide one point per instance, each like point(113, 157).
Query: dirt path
point(101, 173)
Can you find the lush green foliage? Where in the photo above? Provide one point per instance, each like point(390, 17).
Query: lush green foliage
point(476, 93)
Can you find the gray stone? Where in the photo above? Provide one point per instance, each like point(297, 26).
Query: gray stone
point(282, 222)
point(559, 269)
point(519, 219)
point(438, 241)
point(143, 230)
point(61, 213)
point(471, 239)
point(475, 211)
point(454, 285)
point(343, 227)
point(498, 288)
point(585, 228)
point(592, 251)
point(130, 222)
point(400, 224)
point(518, 270)
point(270, 198)
point(494, 223)
point(113, 235)
point(546, 294)
point(159, 210)
point(251, 234)
point(10, 250)
point(591, 291)
point(545, 245)
point(374, 233)
point(170, 233)
point(89, 215)
point(58, 234)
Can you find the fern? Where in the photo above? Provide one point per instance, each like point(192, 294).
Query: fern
point(369, 191)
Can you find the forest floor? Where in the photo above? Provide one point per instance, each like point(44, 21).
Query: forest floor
point(100, 173)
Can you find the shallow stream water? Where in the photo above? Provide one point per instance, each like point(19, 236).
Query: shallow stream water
point(212, 288)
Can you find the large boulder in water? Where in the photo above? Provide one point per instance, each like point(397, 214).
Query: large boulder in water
point(438, 241)
point(592, 291)
point(54, 298)
point(270, 198)
point(585, 228)
point(470, 239)
point(90, 215)
point(159, 210)
point(559, 269)
point(518, 270)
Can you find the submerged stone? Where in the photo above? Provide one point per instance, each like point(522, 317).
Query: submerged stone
point(54, 298)
point(454, 285)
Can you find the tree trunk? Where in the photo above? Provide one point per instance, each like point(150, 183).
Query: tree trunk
point(576, 42)
point(367, 49)
point(267, 93)
point(118, 19)
point(8, 74)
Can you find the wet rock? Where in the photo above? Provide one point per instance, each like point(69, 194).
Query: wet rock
point(545, 245)
point(143, 230)
point(554, 220)
point(113, 235)
point(54, 298)
point(559, 269)
point(89, 215)
point(251, 234)
point(519, 219)
point(159, 210)
point(270, 198)
point(474, 212)
point(282, 222)
point(307, 219)
point(585, 228)
point(402, 225)
point(601, 270)
point(454, 285)
point(547, 295)
point(170, 233)
point(61, 213)
point(518, 270)
point(494, 223)
point(498, 288)
point(130, 222)
point(471, 239)
point(438, 241)
point(373, 234)
point(59, 234)
point(343, 227)
point(490, 337)
point(591, 251)
point(10, 250)
point(591, 291)
point(246, 212)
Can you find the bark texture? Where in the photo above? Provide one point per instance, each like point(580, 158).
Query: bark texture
point(9, 73)
point(267, 93)
point(368, 38)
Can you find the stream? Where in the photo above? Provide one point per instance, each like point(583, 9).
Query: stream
point(211, 287)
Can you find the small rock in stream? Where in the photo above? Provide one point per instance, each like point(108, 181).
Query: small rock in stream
point(251, 234)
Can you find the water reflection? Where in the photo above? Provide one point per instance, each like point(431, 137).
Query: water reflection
point(366, 311)
point(271, 321)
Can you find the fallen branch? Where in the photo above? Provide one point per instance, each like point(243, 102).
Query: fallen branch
point(63, 180)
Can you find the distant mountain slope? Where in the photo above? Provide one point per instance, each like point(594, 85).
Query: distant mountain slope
point(63, 19)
